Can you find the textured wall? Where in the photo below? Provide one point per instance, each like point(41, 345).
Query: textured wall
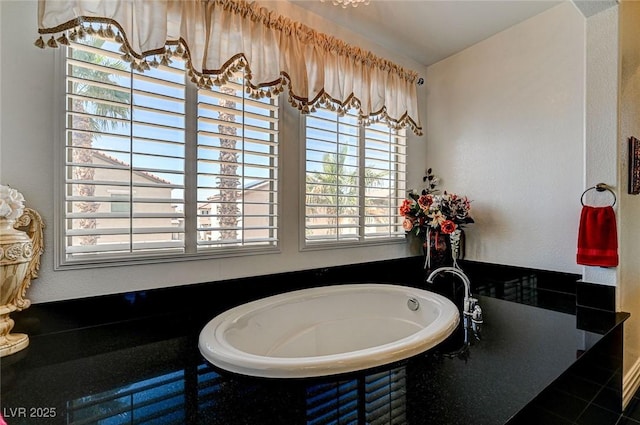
point(505, 126)
point(601, 127)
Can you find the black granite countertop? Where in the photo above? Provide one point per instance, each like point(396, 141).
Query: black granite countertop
point(146, 368)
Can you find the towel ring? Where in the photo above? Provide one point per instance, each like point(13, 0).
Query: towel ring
point(600, 187)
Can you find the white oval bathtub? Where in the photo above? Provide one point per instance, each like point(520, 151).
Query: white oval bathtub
point(327, 330)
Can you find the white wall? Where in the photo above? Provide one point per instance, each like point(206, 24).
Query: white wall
point(601, 128)
point(505, 126)
point(27, 142)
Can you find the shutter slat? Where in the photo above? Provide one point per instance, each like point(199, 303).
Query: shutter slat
point(124, 215)
point(236, 124)
point(210, 97)
point(123, 231)
point(135, 199)
point(267, 117)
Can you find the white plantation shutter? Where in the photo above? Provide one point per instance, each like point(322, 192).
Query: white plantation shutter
point(384, 181)
point(332, 177)
point(237, 168)
point(125, 154)
point(355, 179)
point(128, 192)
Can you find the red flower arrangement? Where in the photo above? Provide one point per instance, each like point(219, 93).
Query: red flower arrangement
point(427, 211)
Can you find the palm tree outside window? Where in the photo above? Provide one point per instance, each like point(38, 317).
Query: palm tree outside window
point(355, 180)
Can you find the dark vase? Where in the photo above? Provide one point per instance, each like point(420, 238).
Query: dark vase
point(438, 253)
point(443, 249)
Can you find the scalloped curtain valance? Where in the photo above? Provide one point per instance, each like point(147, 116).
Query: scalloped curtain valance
point(218, 37)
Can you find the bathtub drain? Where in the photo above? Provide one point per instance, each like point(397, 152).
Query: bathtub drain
point(413, 304)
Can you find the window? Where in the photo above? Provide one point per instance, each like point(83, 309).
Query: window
point(120, 203)
point(130, 137)
point(355, 179)
point(237, 167)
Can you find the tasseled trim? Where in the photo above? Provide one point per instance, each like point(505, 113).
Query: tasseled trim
point(210, 78)
point(63, 40)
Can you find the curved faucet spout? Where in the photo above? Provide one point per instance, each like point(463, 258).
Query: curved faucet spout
point(455, 271)
point(471, 309)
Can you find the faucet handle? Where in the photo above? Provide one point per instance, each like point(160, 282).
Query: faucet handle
point(476, 322)
point(470, 304)
point(476, 316)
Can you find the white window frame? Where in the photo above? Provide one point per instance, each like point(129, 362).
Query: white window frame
point(61, 262)
point(399, 237)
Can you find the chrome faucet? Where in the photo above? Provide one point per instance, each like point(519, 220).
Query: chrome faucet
point(471, 311)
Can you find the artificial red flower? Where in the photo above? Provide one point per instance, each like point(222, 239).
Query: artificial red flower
point(448, 227)
point(425, 201)
point(405, 208)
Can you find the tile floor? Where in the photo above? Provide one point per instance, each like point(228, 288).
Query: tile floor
point(631, 415)
point(599, 412)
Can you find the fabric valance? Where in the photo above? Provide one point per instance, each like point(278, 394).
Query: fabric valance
point(219, 37)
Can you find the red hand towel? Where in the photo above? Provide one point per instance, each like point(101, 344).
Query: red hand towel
point(598, 237)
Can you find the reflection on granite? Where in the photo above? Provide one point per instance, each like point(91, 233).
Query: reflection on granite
point(85, 366)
